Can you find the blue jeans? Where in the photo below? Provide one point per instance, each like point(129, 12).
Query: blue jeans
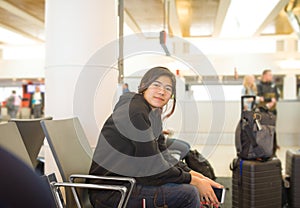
point(180, 145)
point(37, 111)
point(171, 194)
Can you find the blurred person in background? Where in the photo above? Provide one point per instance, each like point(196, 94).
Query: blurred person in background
point(13, 103)
point(269, 94)
point(37, 102)
point(125, 88)
point(249, 88)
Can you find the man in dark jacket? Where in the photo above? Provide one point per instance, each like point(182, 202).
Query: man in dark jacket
point(268, 92)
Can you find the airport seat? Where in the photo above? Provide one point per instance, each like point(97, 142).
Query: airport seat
point(11, 140)
point(55, 187)
point(32, 135)
point(73, 156)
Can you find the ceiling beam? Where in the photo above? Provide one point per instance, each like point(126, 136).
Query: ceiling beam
point(184, 10)
point(275, 11)
point(21, 13)
point(221, 14)
point(174, 23)
point(131, 22)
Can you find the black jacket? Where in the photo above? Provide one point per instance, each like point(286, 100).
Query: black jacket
point(268, 90)
point(131, 144)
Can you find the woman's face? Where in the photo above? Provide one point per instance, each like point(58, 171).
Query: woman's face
point(159, 92)
point(251, 80)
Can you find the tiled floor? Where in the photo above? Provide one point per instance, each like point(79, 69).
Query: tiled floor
point(227, 183)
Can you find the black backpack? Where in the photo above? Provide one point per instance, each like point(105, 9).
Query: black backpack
point(254, 136)
point(200, 164)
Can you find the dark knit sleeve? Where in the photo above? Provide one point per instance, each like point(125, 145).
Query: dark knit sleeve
point(129, 145)
point(172, 170)
point(168, 156)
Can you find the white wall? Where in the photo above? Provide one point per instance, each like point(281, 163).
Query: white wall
point(30, 68)
point(204, 122)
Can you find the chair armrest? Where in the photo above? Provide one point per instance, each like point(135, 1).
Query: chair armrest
point(56, 185)
point(111, 178)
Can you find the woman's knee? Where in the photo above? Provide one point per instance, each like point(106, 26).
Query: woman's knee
point(189, 195)
point(194, 197)
point(192, 192)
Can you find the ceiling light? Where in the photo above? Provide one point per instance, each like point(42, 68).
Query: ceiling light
point(245, 17)
point(32, 51)
point(12, 38)
point(290, 64)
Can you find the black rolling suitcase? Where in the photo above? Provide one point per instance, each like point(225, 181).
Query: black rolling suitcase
point(256, 184)
point(292, 170)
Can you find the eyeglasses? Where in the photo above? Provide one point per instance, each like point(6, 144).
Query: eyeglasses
point(158, 85)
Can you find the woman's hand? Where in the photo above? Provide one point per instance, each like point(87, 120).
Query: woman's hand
point(169, 132)
point(261, 99)
point(211, 182)
point(206, 192)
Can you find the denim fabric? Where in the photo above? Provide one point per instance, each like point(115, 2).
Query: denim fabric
point(167, 196)
point(180, 145)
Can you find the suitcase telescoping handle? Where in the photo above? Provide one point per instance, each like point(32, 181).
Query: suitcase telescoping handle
point(247, 97)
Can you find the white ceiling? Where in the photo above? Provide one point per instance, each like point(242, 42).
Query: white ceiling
point(182, 18)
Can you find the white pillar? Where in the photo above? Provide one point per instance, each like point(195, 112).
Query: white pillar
point(290, 87)
point(81, 39)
